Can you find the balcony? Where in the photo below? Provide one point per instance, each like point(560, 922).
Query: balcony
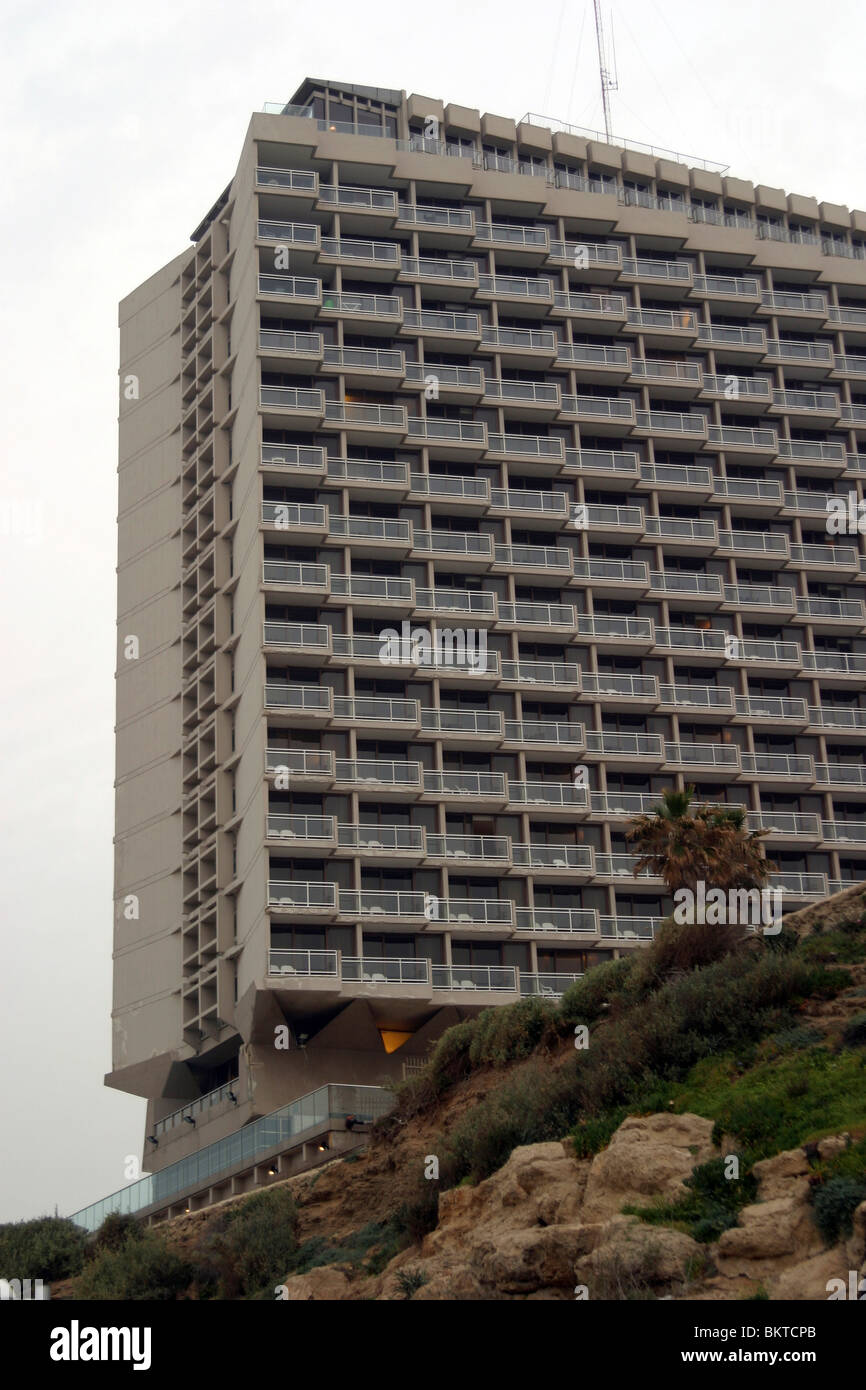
point(810, 358)
point(596, 260)
point(370, 424)
point(529, 505)
point(610, 632)
point(359, 365)
point(443, 329)
point(830, 614)
point(524, 399)
point(471, 493)
point(733, 292)
point(367, 593)
point(312, 899)
point(644, 749)
point(458, 277)
point(633, 929)
point(752, 393)
point(301, 639)
point(671, 425)
point(620, 866)
point(302, 182)
point(606, 414)
point(845, 832)
point(552, 736)
point(673, 480)
point(748, 495)
point(671, 378)
point(522, 347)
point(546, 985)
point(377, 260)
point(301, 352)
point(779, 769)
point(711, 700)
point(804, 887)
point(378, 203)
point(521, 293)
point(841, 665)
point(300, 459)
point(555, 921)
point(381, 313)
point(388, 714)
point(743, 442)
point(808, 407)
point(304, 520)
point(540, 859)
point(820, 453)
point(477, 788)
point(300, 766)
point(474, 603)
point(529, 449)
point(410, 971)
point(488, 979)
point(449, 439)
point(827, 559)
point(665, 327)
point(556, 676)
point(298, 294)
point(474, 912)
point(313, 580)
point(556, 798)
point(810, 504)
point(310, 832)
point(306, 704)
point(786, 826)
point(596, 313)
point(306, 964)
point(844, 776)
point(748, 545)
point(778, 709)
point(447, 226)
point(794, 309)
point(539, 617)
point(760, 598)
point(394, 908)
point(619, 690)
point(369, 535)
point(721, 758)
point(615, 521)
point(697, 642)
point(683, 535)
point(465, 728)
point(473, 548)
point(546, 563)
point(382, 775)
point(674, 276)
point(850, 718)
point(625, 576)
point(694, 588)
point(383, 842)
point(493, 851)
point(623, 466)
point(523, 244)
point(596, 362)
point(370, 476)
point(732, 343)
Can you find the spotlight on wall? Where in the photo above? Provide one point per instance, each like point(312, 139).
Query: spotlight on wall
point(188, 1120)
point(151, 1139)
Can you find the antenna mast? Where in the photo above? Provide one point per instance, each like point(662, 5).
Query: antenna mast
point(608, 83)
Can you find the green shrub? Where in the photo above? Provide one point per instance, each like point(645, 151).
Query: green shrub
point(590, 1136)
point(417, 1217)
point(143, 1268)
point(842, 945)
point(834, 1204)
point(249, 1247)
point(583, 1001)
point(679, 946)
point(511, 1033)
point(114, 1232)
point(49, 1247)
point(409, 1281)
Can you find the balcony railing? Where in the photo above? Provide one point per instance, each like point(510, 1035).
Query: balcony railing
point(491, 849)
point(386, 970)
point(303, 698)
point(609, 683)
point(548, 794)
point(316, 829)
point(301, 896)
point(491, 979)
point(547, 985)
point(311, 964)
point(578, 921)
point(544, 856)
point(840, 774)
point(397, 839)
point(695, 696)
point(481, 784)
point(303, 762)
point(462, 721)
point(474, 602)
point(797, 765)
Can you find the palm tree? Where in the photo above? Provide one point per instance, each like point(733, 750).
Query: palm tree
point(709, 845)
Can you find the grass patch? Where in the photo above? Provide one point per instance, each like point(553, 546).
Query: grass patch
point(712, 1205)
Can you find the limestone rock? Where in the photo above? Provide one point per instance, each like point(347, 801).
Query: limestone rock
point(323, 1284)
point(647, 1159)
point(632, 1257)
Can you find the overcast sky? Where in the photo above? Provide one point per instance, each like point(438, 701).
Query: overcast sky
point(122, 124)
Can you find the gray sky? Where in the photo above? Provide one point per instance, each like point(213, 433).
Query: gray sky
point(121, 125)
